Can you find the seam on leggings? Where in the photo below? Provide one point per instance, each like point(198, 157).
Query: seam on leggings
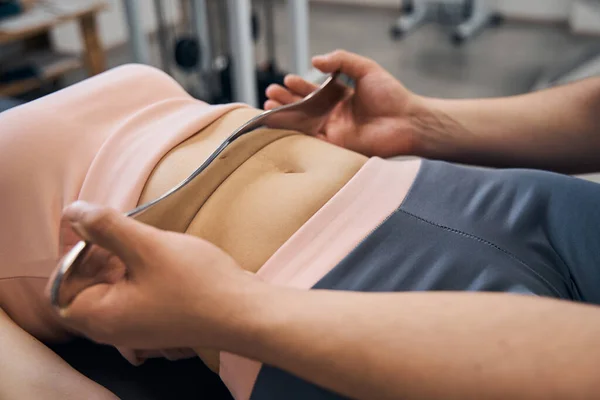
point(487, 243)
point(572, 284)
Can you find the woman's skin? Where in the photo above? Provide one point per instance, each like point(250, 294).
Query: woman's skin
point(255, 210)
point(259, 206)
point(267, 198)
point(29, 370)
point(404, 345)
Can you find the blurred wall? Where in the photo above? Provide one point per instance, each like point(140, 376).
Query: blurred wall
point(547, 10)
point(112, 25)
point(585, 17)
point(113, 28)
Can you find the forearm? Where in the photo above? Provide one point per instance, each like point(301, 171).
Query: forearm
point(29, 370)
point(428, 345)
point(556, 129)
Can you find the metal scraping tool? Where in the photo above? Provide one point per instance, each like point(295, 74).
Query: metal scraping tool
point(307, 115)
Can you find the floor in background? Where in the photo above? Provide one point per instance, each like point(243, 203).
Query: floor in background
point(501, 61)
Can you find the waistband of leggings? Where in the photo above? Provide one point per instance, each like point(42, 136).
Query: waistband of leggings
point(373, 194)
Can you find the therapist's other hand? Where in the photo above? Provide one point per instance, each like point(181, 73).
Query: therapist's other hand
point(175, 293)
point(374, 119)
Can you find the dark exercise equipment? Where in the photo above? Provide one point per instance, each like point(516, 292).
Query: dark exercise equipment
point(255, 26)
point(269, 73)
point(187, 52)
point(163, 36)
point(266, 74)
point(187, 49)
point(9, 8)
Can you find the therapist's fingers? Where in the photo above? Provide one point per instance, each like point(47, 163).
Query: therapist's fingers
point(100, 266)
point(299, 85)
point(296, 88)
point(281, 94)
point(271, 104)
point(110, 230)
point(93, 311)
point(323, 137)
point(351, 64)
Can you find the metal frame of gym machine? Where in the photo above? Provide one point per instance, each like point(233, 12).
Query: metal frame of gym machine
point(418, 12)
point(240, 36)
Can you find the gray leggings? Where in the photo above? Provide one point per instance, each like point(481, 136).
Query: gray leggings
point(472, 229)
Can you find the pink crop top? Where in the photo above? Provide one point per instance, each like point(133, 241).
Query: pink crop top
point(97, 141)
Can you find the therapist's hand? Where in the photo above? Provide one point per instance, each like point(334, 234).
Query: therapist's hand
point(376, 118)
point(177, 291)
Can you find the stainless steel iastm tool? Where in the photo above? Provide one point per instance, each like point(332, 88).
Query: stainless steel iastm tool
point(306, 115)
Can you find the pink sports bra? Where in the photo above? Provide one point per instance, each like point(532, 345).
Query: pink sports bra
point(97, 141)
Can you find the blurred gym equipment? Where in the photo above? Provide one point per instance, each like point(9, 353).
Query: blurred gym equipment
point(217, 45)
point(269, 72)
point(464, 18)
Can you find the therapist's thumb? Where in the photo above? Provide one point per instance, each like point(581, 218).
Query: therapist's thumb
point(351, 64)
point(108, 229)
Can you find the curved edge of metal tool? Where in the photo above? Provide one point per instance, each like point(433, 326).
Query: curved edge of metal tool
point(249, 126)
point(74, 256)
point(64, 269)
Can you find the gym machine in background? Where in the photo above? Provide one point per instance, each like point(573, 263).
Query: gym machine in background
point(465, 18)
point(211, 48)
point(230, 52)
point(185, 47)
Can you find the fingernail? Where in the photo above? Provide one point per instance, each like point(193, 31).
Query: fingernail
point(74, 214)
point(75, 211)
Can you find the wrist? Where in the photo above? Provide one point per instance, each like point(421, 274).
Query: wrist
point(435, 132)
point(265, 316)
point(244, 307)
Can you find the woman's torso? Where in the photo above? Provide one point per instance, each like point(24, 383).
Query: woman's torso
point(263, 197)
point(127, 137)
point(457, 228)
